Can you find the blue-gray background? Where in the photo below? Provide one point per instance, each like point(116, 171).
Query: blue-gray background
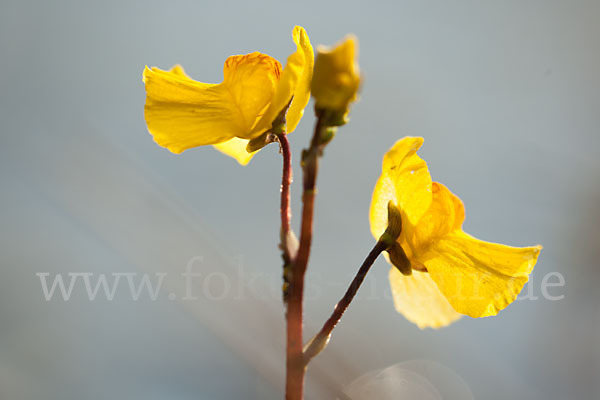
point(506, 94)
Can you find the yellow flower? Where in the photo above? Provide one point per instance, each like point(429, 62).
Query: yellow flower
point(182, 113)
point(463, 275)
point(336, 78)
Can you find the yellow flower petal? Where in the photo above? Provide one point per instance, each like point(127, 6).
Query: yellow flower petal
point(236, 148)
point(479, 278)
point(295, 81)
point(251, 81)
point(337, 78)
point(302, 63)
point(405, 180)
point(178, 71)
point(418, 298)
point(182, 113)
point(445, 214)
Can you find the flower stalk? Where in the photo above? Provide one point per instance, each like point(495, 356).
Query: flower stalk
point(286, 180)
point(295, 363)
point(385, 242)
point(321, 339)
point(288, 241)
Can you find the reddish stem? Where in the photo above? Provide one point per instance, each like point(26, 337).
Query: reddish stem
point(295, 359)
point(319, 342)
point(285, 208)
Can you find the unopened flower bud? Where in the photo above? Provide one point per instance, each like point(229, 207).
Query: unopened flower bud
point(336, 78)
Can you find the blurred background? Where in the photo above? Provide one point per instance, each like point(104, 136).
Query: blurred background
point(506, 94)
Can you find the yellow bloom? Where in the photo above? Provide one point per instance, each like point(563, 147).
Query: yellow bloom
point(182, 113)
point(464, 275)
point(336, 78)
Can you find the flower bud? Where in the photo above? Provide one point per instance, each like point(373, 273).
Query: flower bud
point(336, 78)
